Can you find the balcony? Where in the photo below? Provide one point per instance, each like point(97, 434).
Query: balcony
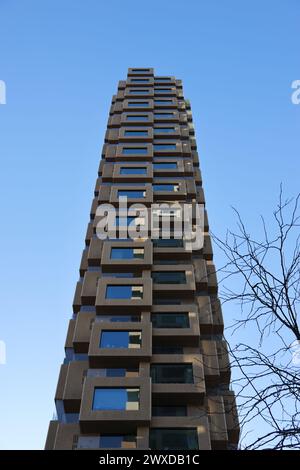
point(115, 415)
point(121, 343)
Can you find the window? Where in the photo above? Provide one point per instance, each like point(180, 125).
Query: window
point(121, 339)
point(163, 90)
point(165, 166)
point(170, 320)
point(116, 399)
point(169, 410)
point(163, 115)
point(124, 221)
point(137, 118)
point(135, 133)
point(162, 101)
point(138, 104)
point(127, 253)
point(167, 243)
point(140, 70)
point(132, 193)
point(138, 92)
point(165, 301)
point(166, 187)
point(172, 373)
point(113, 372)
point(124, 292)
point(160, 79)
point(163, 130)
point(117, 442)
point(164, 146)
point(117, 318)
point(107, 442)
point(140, 80)
point(167, 349)
point(121, 275)
point(134, 151)
point(133, 171)
point(173, 439)
point(169, 277)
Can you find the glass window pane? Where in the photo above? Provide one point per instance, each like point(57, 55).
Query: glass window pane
point(172, 373)
point(174, 439)
point(110, 399)
point(163, 115)
point(164, 146)
point(169, 277)
point(164, 130)
point(166, 187)
point(118, 292)
point(134, 151)
point(169, 410)
point(137, 118)
point(114, 339)
point(167, 349)
point(170, 320)
point(133, 171)
point(138, 104)
point(167, 243)
point(131, 193)
point(138, 92)
point(135, 133)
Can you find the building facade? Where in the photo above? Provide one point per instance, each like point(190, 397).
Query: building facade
point(146, 365)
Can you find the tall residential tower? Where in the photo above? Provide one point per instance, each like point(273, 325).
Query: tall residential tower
point(146, 365)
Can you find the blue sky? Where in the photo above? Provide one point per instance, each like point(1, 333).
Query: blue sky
point(61, 61)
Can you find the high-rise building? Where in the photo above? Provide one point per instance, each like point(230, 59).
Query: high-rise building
point(146, 365)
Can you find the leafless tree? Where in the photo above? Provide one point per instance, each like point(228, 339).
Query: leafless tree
point(263, 278)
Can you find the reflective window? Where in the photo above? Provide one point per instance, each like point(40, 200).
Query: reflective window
point(163, 115)
point(162, 101)
point(138, 92)
point(127, 253)
point(169, 410)
point(117, 442)
point(121, 339)
point(164, 146)
point(166, 187)
point(124, 292)
point(172, 373)
point(165, 166)
point(163, 130)
point(125, 221)
point(135, 133)
point(116, 399)
point(137, 118)
point(113, 372)
point(117, 318)
point(167, 243)
point(134, 151)
point(163, 90)
point(169, 277)
point(174, 439)
point(166, 349)
point(133, 171)
point(141, 80)
point(132, 193)
point(170, 320)
point(138, 104)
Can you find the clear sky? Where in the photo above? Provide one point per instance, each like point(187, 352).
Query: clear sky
point(61, 61)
